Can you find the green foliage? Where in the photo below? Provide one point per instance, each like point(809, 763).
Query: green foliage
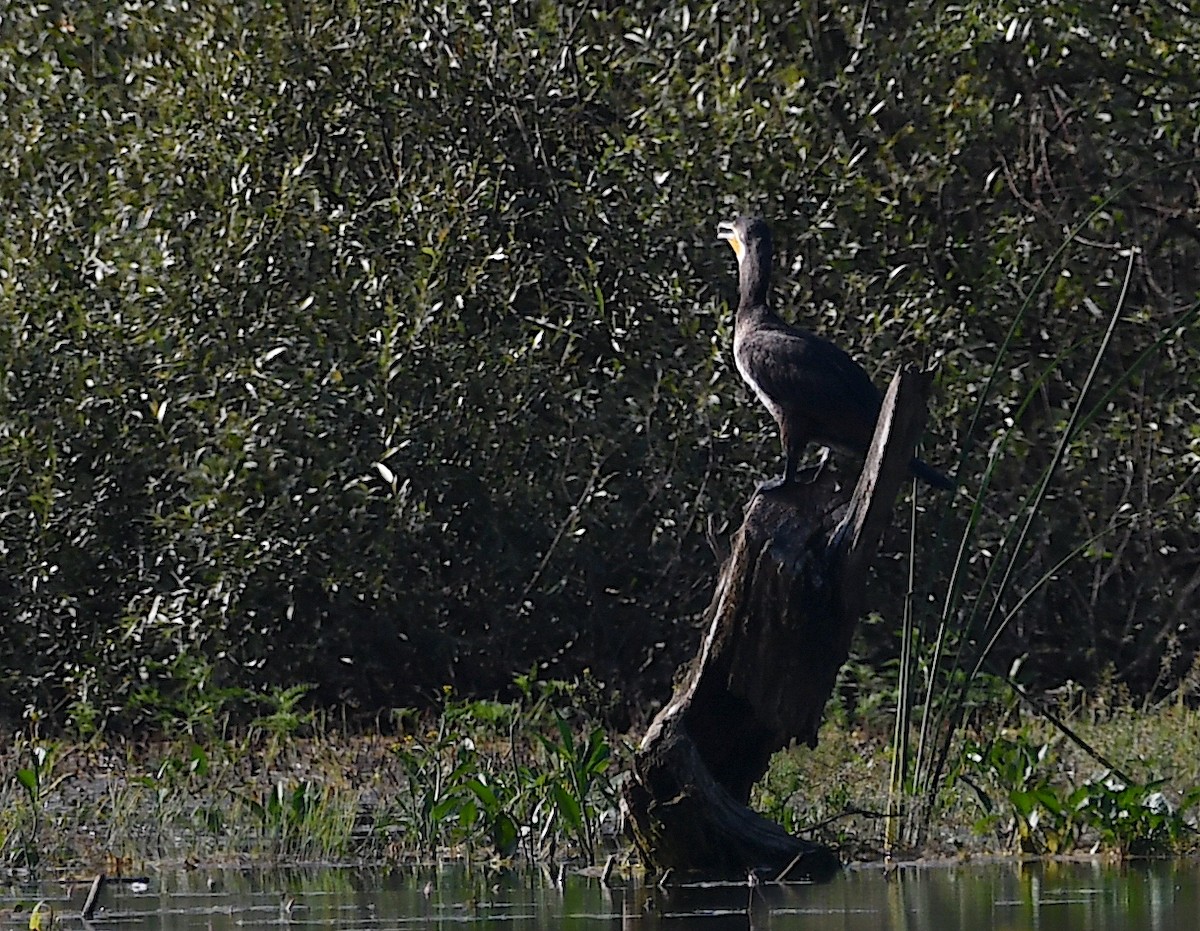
point(286, 718)
point(577, 770)
point(1042, 822)
point(381, 345)
point(21, 829)
point(1136, 819)
point(180, 770)
point(1019, 785)
point(516, 799)
point(529, 778)
point(183, 699)
point(30, 779)
point(973, 623)
point(1040, 817)
point(301, 819)
point(800, 804)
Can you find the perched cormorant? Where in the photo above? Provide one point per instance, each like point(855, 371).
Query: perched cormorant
point(815, 392)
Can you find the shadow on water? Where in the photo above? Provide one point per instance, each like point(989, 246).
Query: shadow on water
point(1001, 895)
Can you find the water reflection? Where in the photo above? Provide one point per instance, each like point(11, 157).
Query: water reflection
point(1157, 896)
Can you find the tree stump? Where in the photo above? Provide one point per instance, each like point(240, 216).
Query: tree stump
point(778, 630)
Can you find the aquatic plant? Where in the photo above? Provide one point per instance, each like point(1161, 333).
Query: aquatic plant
point(578, 768)
point(302, 819)
point(1136, 819)
point(528, 777)
point(38, 779)
point(536, 788)
point(945, 662)
point(1041, 820)
point(1109, 811)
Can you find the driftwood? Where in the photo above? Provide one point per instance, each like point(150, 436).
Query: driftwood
point(778, 630)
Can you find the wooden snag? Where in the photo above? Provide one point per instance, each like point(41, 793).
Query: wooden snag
point(778, 629)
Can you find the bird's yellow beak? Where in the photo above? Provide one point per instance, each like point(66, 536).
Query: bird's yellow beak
point(728, 232)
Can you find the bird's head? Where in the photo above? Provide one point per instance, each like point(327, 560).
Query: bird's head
point(747, 235)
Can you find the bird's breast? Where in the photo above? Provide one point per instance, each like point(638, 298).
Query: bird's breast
point(745, 368)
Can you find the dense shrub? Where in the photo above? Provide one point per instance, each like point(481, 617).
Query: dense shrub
point(386, 345)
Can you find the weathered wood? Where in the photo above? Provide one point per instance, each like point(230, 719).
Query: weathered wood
point(778, 630)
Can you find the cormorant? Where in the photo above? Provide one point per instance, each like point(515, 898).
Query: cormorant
point(815, 392)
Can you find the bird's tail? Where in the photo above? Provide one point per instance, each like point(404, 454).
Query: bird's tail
point(927, 473)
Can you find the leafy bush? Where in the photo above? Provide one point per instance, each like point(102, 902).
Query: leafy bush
point(384, 346)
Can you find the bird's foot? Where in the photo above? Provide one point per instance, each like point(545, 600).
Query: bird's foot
point(771, 484)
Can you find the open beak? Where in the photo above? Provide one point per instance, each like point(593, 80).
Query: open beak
point(727, 232)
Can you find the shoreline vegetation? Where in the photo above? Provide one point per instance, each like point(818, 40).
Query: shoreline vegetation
point(533, 781)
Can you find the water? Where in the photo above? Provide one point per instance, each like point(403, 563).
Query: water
point(1156, 896)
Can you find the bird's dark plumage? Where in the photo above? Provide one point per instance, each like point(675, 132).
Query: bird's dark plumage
point(815, 391)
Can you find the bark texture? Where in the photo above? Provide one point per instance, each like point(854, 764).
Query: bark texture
point(778, 630)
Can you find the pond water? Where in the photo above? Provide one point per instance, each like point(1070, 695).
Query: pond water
point(1154, 896)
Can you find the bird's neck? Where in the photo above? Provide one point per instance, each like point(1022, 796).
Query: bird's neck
point(754, 278)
